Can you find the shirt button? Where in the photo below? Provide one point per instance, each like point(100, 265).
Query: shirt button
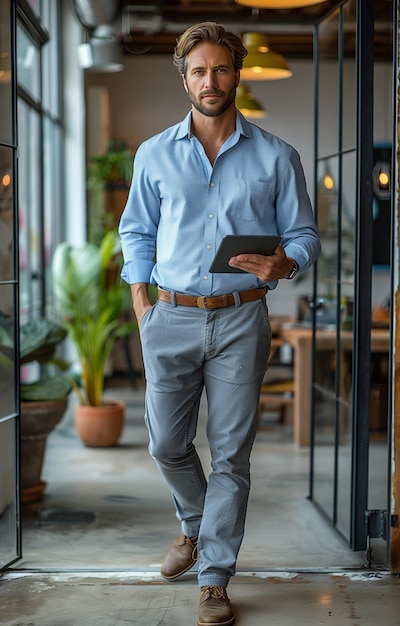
point(205, 277)
point(210, 215)
point(208, 247)
point(212, 185)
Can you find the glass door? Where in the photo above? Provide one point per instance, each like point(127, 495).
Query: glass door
point(346, 348)
point(10, 544)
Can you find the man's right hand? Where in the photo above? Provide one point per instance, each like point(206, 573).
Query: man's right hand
point(140, 300)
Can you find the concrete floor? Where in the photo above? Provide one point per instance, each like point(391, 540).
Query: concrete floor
point(93, 546)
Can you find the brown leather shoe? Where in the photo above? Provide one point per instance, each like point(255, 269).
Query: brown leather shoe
point(215, 608)
point(181, 556)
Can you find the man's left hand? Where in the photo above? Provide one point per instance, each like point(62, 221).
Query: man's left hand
point(271, 267)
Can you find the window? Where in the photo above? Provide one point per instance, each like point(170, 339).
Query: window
point(40, 140)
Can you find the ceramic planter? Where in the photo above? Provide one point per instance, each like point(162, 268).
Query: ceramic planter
point(37, 420)
point(100, 426)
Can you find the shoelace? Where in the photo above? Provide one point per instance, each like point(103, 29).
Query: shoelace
point(193, 543)
point(212, 591)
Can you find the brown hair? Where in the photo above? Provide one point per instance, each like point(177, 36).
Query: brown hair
point(211, 33)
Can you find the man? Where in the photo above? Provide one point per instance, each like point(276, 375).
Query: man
point(211, 175)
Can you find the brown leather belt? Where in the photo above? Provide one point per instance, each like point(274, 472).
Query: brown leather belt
point(212, 302)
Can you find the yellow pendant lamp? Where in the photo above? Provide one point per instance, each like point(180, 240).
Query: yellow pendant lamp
point(247, 103)
point(278, 4)
point(261, 63)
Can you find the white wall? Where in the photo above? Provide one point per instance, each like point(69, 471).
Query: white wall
point(148, 96)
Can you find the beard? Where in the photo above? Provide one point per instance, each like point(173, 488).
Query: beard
point(212, 110)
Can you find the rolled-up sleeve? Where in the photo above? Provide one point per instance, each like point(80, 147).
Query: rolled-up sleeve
point(138, 225)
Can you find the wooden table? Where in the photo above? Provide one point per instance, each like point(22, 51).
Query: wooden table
point(300, 339)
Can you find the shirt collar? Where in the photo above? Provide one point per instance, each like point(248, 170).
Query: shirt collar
point(243, 126)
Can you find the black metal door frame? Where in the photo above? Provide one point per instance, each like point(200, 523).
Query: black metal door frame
point(362, 276)
point(13, 552)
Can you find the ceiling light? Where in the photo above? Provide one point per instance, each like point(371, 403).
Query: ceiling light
point(261, 63)
point(381, 180)
point(247, 103)
point(329, 183)
point(278, 4)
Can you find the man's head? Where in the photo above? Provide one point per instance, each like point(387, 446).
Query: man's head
point(209, 60)
point(208, 32)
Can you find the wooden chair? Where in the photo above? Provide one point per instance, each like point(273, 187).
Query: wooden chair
point(277, 393)
point(276, 397)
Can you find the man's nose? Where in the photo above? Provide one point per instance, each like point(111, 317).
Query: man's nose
point(210, 79)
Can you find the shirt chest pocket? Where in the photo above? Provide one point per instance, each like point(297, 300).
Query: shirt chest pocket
point(251, 200)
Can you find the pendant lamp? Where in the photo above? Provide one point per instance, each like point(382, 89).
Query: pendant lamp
point(247, 103)
point(278, 4)
point(261, 63)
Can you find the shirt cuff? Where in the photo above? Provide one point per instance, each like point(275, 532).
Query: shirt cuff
point(138, 271)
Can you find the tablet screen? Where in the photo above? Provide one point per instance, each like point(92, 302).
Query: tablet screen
point(232, 245)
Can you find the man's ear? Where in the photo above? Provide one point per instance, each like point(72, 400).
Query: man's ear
point(237, 78)
point(185, 83)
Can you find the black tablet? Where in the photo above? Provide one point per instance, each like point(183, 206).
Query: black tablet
point(232, 245)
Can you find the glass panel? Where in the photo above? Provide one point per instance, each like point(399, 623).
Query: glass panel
point(35, 5)
point(349, 100)
point(378, 476)
point(324, 458)
point(348, 219)
point(335, 279)
point(349, 76)
point(327, 202)
point(6, 218)
point(50, 62)
point(5, 73)
point(30, 233)
point(326, 312)
point(28, 64)
point(378, 451)
point(51, 193)
point(7, 355)
point(345, 382)
point(8, 499)
point(328, 84)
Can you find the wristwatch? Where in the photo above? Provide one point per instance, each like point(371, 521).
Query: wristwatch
point(293, 271)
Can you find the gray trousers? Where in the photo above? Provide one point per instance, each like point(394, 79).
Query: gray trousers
point(224, 352)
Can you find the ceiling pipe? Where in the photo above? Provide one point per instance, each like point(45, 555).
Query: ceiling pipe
point(92, 13)
point(101, 53)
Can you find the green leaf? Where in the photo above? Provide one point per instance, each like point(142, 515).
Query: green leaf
point(39, 339)
point(53, 388)
point(91, 301)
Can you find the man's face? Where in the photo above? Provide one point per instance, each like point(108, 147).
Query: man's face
point(210, 79)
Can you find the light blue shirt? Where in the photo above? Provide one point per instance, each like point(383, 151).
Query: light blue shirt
point(180, 206)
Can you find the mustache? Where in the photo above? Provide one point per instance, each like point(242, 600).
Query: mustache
point(212, 92)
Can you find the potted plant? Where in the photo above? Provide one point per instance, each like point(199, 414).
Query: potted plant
point(43, 401)
point(113, 167)
point(91, 303)
point(108, 178)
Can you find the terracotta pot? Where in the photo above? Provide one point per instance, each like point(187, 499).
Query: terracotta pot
point(100, 426)
point(37, 420)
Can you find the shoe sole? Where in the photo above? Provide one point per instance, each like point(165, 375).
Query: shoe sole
point(174, 576)
point(228, 623)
